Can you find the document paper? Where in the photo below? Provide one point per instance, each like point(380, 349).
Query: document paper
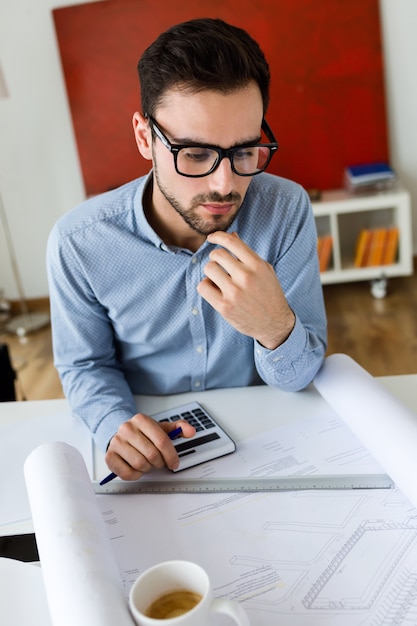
point(345, 558)
point(81, 576)
point(18, 438)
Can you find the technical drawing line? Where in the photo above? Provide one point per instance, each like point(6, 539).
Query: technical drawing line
point(378, 568)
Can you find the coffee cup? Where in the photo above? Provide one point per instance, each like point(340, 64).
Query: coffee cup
point(179, 593)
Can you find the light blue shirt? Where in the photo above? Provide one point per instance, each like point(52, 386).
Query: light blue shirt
point(127, 318)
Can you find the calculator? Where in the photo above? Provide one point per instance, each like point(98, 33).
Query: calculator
point(209, 442)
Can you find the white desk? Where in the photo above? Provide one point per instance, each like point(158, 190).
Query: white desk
point(244, 412)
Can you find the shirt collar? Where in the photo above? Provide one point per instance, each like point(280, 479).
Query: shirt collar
point(144, 228)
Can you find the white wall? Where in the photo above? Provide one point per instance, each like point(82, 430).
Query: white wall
point(399, 22)
point(40, 177)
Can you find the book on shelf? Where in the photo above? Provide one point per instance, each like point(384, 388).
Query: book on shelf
point(362, 248)
point(376, 251)
point(376, 246)
point(324, 250)
point(391, 245)
point(369, 177)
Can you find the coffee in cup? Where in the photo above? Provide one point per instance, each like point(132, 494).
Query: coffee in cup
point(173, 604)
point(179, 593)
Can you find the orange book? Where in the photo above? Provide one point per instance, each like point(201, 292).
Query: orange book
point(376, 251)
point(326, 252)
point(391, 246)
point(319, 246)
point(362, 248)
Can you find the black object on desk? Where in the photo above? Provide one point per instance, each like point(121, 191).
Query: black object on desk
point(7, 376)
point(19, 547)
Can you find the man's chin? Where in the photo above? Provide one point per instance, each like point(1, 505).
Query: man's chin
point(213, 224)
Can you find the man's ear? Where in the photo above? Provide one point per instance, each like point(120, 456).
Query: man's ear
point(143, 135)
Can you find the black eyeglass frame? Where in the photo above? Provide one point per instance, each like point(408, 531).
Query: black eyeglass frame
point(222, 153)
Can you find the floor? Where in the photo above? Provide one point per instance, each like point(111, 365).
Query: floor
point(31, 357)
point(380, 334)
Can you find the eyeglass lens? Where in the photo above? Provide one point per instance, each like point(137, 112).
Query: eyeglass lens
point(196, 161)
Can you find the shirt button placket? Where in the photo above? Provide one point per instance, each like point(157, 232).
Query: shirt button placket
point(197, 328)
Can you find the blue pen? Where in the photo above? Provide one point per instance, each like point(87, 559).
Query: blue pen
point(172, 435)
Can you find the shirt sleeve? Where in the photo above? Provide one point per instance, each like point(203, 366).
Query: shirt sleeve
point(293, 365)
point(84, 348)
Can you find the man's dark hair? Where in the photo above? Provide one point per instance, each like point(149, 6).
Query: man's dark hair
point(198, 55)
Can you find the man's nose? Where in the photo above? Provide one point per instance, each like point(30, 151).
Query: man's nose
point(222, 179)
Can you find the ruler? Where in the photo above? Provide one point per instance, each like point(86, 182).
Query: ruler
point(247, 485)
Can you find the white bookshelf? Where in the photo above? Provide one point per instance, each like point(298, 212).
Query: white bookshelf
point(343, 216)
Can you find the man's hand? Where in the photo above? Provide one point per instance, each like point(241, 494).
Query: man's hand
point(245, 290)
point(141, 444)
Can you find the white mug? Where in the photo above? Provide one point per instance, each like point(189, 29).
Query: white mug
point(179, 581)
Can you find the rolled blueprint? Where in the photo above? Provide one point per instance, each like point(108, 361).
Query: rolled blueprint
point(82, 579)
point(386, 427)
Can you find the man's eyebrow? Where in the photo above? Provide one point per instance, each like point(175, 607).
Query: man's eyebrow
point(188, 141)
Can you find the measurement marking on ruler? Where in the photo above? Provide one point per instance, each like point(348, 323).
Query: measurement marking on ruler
point(248, 484)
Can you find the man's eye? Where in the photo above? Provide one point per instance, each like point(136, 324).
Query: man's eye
point(246, 153)
point(198, 155)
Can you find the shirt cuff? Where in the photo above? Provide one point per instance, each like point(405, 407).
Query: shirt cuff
point(109, 426)
point(280, 363)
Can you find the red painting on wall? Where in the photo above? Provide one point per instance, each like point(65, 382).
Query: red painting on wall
point(327, 92)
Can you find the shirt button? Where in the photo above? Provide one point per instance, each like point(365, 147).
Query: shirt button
point(194, 260)
point(197, 383)
point(199, 349)
point(194, 310)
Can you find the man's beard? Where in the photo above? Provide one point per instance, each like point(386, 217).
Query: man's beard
point(191, 217)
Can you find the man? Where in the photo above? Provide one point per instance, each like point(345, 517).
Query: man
point(202, 274)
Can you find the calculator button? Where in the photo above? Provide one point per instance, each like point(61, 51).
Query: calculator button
point(196, 417)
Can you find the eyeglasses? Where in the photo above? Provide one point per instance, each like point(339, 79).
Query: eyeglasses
point(196, 160)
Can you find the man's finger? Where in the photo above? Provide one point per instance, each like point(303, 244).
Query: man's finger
point(233, 243)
